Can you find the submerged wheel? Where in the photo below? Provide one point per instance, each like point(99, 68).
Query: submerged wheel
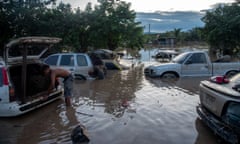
point(169, 75)
point(80, 77)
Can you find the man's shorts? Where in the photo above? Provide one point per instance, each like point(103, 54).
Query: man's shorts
point(68, 86)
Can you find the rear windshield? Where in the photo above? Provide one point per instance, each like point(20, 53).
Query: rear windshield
point(33, 49)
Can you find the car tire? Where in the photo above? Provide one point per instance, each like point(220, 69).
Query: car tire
point(80, 77)
point(169, 75)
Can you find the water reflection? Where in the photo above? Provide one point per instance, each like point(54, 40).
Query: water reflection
point(205, 135)
point(188, 84)
point(115, 94)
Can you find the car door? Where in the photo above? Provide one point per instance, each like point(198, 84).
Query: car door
point(196, 65)
point(67, 62)
point(83, 65)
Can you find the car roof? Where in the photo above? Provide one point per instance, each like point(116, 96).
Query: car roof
point(68, 54)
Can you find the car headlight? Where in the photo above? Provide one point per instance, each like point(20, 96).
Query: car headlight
point(232, 115)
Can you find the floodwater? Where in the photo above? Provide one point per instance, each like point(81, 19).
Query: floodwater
point(124, 108)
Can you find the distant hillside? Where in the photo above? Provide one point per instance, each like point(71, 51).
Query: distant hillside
point(167, 21)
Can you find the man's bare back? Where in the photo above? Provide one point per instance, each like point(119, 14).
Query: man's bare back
point(57, 72)
point(68, 81)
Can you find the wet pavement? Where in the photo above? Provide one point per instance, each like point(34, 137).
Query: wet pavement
point(124, 108)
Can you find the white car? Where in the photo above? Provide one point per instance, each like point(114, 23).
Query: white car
point(193, 63)
point(79, 64)
point(23, 87)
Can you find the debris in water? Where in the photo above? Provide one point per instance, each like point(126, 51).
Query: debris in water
point(125, 103)
point(79, 135)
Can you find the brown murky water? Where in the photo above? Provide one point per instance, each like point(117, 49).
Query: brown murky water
point(125, 108)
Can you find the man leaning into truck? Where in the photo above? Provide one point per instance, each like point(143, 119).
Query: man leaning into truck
point(68, 81)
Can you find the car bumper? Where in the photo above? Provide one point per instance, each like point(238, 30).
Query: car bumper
point(218, 127)
point(14, 109)
point(150, 72)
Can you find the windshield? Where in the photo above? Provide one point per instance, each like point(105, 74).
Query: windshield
point(32, 49)
point(180, 58)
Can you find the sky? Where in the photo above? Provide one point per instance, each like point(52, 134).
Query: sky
point(159, 5)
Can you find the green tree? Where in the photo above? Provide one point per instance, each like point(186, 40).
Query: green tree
point(110, 25)
point(222, 28)
point(19, 17)
point(115, 22)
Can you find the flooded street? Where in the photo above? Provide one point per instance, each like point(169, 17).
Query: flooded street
point(124, 108)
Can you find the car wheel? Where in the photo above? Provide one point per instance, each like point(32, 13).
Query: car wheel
point(169, 75)
point(80, 77)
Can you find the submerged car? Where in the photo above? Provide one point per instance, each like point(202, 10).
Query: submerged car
point(23, 87)
point(78, 63)
point(109, 58)
point(219, 106)
point(165, 55)
point(81, 65)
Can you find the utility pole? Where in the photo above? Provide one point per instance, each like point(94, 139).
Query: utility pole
point(149, 28)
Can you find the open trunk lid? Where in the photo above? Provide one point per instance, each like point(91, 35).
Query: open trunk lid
point(32, 47)
point(23, 50)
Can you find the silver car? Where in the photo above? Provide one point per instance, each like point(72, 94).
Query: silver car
point(79, 64)
point(219, 106)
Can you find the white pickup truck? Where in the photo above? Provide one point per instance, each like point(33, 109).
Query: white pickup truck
point(193, 63)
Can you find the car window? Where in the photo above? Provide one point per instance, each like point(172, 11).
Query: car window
point(52, 60)
point(67, 60)
point(198, 58)
point(81, 60)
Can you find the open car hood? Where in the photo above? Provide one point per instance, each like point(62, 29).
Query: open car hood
point(35, 46)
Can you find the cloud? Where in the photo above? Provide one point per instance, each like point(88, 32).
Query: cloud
point(161, 22)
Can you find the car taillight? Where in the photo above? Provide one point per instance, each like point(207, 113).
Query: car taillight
point(5, 76)
point(219, 79)
point(12, 96)
point(5, 81)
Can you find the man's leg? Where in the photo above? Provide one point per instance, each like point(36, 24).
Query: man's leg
point(68, 101)
point(68, 86)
